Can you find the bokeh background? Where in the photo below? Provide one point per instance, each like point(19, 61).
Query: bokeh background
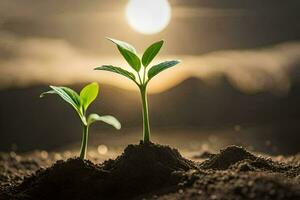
point(238, 82)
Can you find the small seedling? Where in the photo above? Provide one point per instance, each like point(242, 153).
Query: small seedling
point(80, 102)
point(141, 74)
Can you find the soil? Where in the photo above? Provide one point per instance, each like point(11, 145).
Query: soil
point(152, 171)
point(141, 169)
point(235, 174)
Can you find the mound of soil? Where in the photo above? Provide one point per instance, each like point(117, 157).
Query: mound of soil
point(236, 174)
point(141, 169)
point(238, 158)
point(146, 167)
point(227, 157)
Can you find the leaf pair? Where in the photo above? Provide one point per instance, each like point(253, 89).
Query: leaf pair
point(82, 101)
point(129, 53)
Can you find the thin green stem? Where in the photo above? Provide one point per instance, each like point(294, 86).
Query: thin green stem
point(141, 83)
point(144, 77)
point(136, 83)
point(146, 127)
point(84, 142)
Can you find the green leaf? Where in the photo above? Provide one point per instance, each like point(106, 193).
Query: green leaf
point(129, 53)
point(106, 118)
point(88, 94)
point(68, 95)
point(151, 52)
point(117, 70)
point(123, 44)
point(156, 69)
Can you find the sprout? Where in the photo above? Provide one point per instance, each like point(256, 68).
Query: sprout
point(141, 74)
point(81, 103)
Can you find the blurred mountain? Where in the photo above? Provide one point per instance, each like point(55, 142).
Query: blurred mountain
point(46, 123)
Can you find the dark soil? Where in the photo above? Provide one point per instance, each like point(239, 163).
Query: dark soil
point(236, 174)
point(150, 171)
point(227, 157)
point(141, 169)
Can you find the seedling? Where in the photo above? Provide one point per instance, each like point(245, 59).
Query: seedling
point(141, 74)
point(80, 102)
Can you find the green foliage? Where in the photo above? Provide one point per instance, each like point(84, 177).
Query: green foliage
point(151, 52)
point(106, 118)
point(123, 44)
point(88, 94)
point(141, 79)
point(141, 75)
point(117, 70)
point(156, 69)
point(129, 53)
point(80, 103)
point(68, 95)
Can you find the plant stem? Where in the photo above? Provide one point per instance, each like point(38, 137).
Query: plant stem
point(139, 78)
point(146, 127)
point(84, 142)
point(144, 76)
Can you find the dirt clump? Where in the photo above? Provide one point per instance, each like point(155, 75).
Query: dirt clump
point(227, 157)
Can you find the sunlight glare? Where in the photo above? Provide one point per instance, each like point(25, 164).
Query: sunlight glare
point(148, 17)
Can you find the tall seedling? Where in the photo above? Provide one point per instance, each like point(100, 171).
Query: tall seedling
point(141, 74)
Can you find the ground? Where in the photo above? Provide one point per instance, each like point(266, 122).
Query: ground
point(150, 171)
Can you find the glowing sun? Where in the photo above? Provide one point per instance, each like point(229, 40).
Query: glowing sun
point(148, 16)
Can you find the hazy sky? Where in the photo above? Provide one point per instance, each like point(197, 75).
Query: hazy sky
point(253, 42)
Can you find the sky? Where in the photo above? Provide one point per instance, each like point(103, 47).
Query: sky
point(254, 43)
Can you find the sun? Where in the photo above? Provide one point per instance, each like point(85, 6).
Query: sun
point(148, 16)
